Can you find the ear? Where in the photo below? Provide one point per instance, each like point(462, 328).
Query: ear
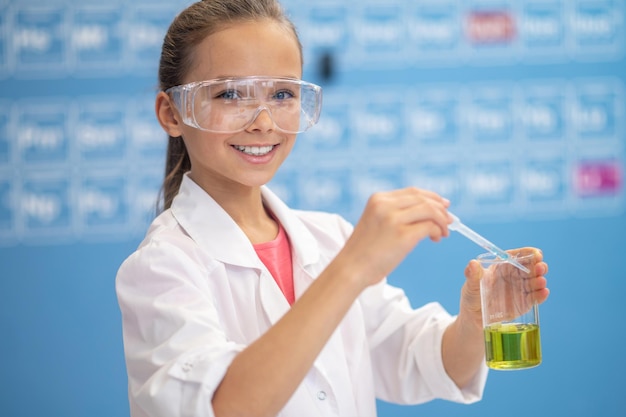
point(167, 115)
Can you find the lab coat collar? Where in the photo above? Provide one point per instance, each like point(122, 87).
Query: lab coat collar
point(212, 228)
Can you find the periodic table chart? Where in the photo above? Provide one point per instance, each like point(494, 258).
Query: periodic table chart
point(511, 109)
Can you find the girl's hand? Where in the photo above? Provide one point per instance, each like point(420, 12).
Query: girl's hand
point(534, 285)
point(391, 225)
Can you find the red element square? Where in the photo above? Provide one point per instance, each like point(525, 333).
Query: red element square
point(490, 27)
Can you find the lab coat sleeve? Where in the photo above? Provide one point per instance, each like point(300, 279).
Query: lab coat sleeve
point(176, 351)
point(405, 344)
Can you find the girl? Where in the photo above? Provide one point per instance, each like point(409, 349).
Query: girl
point(235, 304)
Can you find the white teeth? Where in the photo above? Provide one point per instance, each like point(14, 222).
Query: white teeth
point(255, 150)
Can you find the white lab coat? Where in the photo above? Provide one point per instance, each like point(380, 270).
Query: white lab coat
point(195, 293)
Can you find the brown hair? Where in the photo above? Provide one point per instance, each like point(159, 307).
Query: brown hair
point(189, 29)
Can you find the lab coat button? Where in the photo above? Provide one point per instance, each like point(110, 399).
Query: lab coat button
point(321, 395)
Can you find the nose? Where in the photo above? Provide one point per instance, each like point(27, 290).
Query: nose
point(262, 120)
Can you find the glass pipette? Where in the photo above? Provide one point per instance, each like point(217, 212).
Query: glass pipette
point(457, 226)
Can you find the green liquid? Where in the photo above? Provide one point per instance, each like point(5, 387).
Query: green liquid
point(512, 346)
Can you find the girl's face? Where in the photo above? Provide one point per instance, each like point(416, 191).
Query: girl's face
point(249, 158)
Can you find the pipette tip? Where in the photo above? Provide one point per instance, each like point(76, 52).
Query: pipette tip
point(516, 264)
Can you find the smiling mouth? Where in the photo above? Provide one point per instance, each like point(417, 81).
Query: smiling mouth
point(255, 150)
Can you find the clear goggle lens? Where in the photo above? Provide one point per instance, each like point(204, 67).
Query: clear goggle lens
point(232, 105)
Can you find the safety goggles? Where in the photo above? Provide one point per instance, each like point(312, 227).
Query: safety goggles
point(231, 105)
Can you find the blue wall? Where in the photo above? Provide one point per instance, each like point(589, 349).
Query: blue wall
point(513, 109)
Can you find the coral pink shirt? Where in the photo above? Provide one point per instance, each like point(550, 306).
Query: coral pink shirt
point(276, 256)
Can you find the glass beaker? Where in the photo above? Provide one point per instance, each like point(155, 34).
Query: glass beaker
point(510, 313)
